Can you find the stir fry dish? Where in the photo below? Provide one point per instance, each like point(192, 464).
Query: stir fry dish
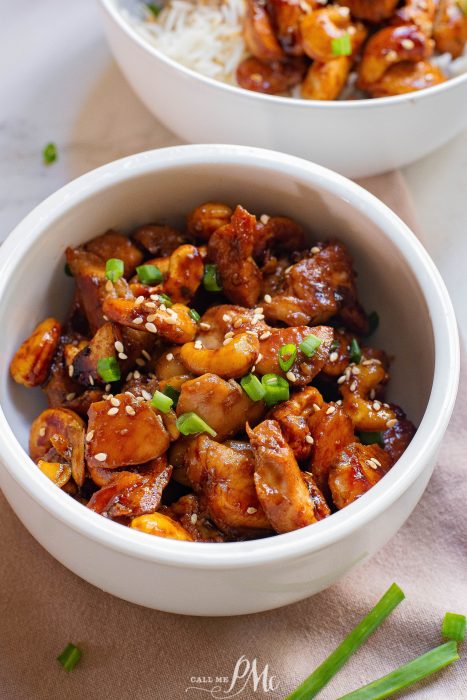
point(212, 384)
point(379, 47)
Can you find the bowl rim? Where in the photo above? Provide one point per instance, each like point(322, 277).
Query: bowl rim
point(300, 542)
point(110, 6)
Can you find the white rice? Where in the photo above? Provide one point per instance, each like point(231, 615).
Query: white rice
point(207, 36)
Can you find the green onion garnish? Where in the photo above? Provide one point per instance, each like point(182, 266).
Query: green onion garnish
point(454, 627)
point(114, 269)
point(367, 438)
point(277, 389)
point(373, 320)
point(192, 424)
point(49, 154)
point(406, 675)
point(355, 351)
point(172, 393)
point(310, 345)
point(323, 674)
point(149, 274)
point(341, 45)
point(153, 8)
point(165, 299)
point(287, 355)
point(253, 387)
point(463, 5)
point(162, 402)
point(194, 315)
point(67, 270)
point(108, 369)
point(211, 278)
point(69, 657)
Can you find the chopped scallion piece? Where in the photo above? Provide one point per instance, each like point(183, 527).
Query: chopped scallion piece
point(310, 345)
point(149, 274)
point(162, 402)
point(276, 387)
point(172, 393)
point(253, 387)
point(194, 315)
point(342, 45)
point(323, 674)
point(108, 369)
point(463, 5)
point(49, 154)
point(355, 351)
point(69, 657)
point(114, 269)
point(192, 424)
point(211, 278)
point(153, 8)
point(454, 627)
point(287, 355)
point(373, 320)
point(406, 675)
point(165, 299)
point(67, 270)
point(367, 438)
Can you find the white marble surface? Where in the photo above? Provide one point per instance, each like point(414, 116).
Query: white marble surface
point(58, 83)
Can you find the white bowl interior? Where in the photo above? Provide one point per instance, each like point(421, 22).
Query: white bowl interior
point(39, 287)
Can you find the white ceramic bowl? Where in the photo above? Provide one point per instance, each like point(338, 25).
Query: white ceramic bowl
point(356, 138)
point(397, 277)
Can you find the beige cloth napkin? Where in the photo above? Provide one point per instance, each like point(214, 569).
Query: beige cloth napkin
point(133, 652)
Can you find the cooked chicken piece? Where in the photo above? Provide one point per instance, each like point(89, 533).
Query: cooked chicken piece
point(355, 470)
point(319, 286)
point(174, 324)
point(370, 10)
point(57, 472)
point(331, 430)
point(325, 81)
point(32, 361)
point(390, 46)
point(85, 363)
point(272, 78)
point(418, 12)
point(287, 15)
point(273, 272)
point(360, 382)
point(115, 245)
point(339, 356)
point(281, 490)
point(320, 29)
point(176, 454)
point(138, 384)
point(450, 28)
point(258, 33)
point(321, 508)
point(158, 239)
point(407, 77)
point(223, 479)
point(186, 272)
point(169, 363)
point(278, 234)
point(138, 347)
point(293, 416)
point(207, 218)
point(63, 430)
point(397, 438)
point(187, 512)
point(131, 434)
point(223, 405)
point(160, 525)
point(231, 249)
point(225, 319)
point(71, 349)
point(231, 360)
point(133, 493)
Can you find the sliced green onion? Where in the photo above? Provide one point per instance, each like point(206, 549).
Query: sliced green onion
point(323, 674)
point(211, 278)
point(69, 657)
point(373, 319)
point(114, 269)
point(153, 8)
point(192, 424)
point(49, 154)
point(287, 355)
point(341, 45)
point(149, 274)
point(463, 5)
point(310, 345)
point(253, 387)
point(194, 315)
point(276, 387)
point(355, 351)
point(162, 402)
point(454, 627)
point(406, 675)
point(172, 393)
point(367, 438)
point(165, 299)
point(108, 369)
point(67, 270)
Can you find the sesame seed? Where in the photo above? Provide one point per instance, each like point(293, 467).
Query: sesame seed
point(119, 346)
point(146, 354)
point(136, 374)
point(130, 394)
point(138, 320)
point(89, 436)
point(264, 218)
point(316, 408)
point(146, 395)
point(154, 297)
point(112, 411)
point(129, 376)
point(139, 300)
point(288, 269)
point(229, 334)
point(376, 405)
point(194, 519)
point(391, 55)
point(355, 370)
point(267, 298)
point(171, 320)
point(42, 432)
point(130, 410)
point(253, 333)
point(259, 358)
point(371, 464)
point(114, 401)
point(253, 369)
point(91, 380)
point(108, 387)
point(315, 249)
point(100, 456)
point(106, 318)
point(227, 341)
point(333, 357)
point(391, 423)
point(341, 379)
point(251, 510)
point(151, 318)
point(122, 356)
point(140, 362)
point(71, 369)
point(407, 44)
point(367, 362)
point(258, 310)
point(353, 386)
point(309, 439)
point(198, 345)
point(108, 286)
point(376, 461)
point(171, 312)
point(226, 318)
point(339, 403)
point(291, 377)
point(70, 396)
point(330, 410)
point(169, 356)
point(150, 327)
point(265, 335)
point(163, 307)
point(205, 326)
point(372, 394)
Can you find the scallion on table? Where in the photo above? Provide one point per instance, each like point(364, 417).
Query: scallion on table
point(49, 154)
point(69, 657)
point(454, 627)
